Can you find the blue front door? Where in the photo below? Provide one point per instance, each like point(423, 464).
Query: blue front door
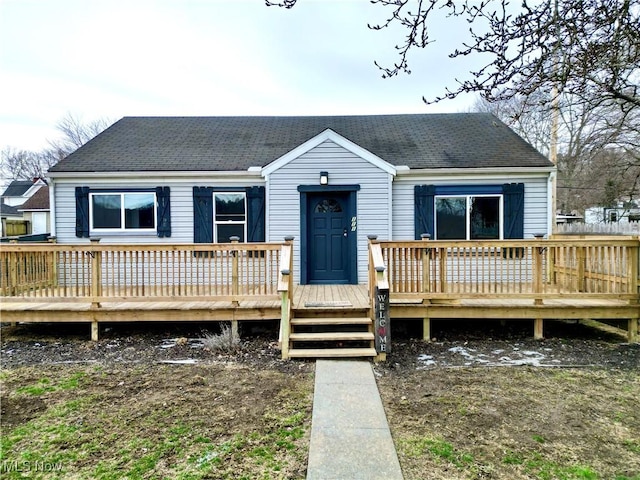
point(328, 237)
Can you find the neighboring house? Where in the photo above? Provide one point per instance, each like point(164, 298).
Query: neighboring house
point(36, 211)
point(19, 191)
point(330, 182)
point(624, 212)
point(14, 223)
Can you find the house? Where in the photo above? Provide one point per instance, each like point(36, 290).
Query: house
point(19, 191)
point(15, 195)
point(328, 181)
point(36, 211)
point(627, 211)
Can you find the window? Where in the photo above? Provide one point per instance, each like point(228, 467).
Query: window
point(113, 212)
point(466, 217)
point(229, 216)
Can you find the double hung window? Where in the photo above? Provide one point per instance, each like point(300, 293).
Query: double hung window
point(229, 216)
point(123, 212)
point(468, 217)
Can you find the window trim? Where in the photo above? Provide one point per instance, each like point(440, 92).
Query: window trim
point(230, 222)
point(468, 197)
point(123, 229)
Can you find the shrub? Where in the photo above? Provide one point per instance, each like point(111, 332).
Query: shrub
point(226, 341)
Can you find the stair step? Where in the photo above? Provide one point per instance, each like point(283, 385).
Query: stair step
point(331, 321)
point(330, 336)
point(354, 312)
point(331, 352)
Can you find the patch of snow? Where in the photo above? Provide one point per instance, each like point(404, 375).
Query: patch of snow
point(187, 361)
point(426, 360)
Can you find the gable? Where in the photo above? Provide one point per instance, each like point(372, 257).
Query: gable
point(330, 136)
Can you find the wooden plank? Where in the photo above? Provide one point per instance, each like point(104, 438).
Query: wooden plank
point(330, 336)
point(332, 352)
point(331, 321)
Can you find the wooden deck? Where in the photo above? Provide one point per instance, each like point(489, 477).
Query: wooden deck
point(513, 280)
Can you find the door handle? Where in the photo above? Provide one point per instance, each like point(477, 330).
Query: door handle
point(344, 233)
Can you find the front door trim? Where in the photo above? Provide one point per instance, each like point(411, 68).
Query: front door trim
point(352, 209)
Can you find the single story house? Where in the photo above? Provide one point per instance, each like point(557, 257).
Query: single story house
point(328, 181)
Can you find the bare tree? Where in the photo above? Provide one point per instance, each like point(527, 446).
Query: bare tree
point(25, 165)
point(75, 133)
point(588, 49)
point(526, 115)
point(597, 147)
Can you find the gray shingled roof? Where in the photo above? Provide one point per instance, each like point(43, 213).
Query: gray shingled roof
point(17, 188)
point(9, 210)
point(459, 140)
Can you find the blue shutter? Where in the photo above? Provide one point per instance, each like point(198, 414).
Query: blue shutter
point(82, 212)
point(424, 200)
point(513, 210)
point(163, 195)
point(255, 214)
point(202, 215)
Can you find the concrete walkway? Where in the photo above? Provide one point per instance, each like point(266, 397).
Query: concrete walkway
point(350, 437)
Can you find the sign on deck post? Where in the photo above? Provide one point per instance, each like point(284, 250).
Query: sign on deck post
point(382, 337)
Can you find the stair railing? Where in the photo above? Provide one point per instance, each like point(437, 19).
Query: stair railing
point(379, 298)
point(285, 289)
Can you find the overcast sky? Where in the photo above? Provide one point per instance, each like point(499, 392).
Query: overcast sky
point(114, 58)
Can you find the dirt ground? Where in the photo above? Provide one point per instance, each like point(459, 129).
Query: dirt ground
point(479, 401)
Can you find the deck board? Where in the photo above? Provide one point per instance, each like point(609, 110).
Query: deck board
point(355, 295)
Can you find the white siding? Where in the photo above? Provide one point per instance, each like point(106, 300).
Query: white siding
point(345, 168)
point(535, 201)
point(181, 206)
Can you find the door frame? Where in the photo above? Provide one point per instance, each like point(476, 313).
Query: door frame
point(352, 243)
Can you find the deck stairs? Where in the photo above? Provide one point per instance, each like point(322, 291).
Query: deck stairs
point(335, 332)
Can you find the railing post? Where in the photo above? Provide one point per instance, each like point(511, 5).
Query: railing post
point(442, 256)
point(538, 323)
point(53, 273)
point(289, 240)
point(96, 272)
point(96, 283)
point(426, 286)
point(13, 273)
point(581, 259)
point(371, 270)
point(234, 272)
point(634, 287)
point(286, 291)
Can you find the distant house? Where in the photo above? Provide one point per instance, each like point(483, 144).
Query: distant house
point(36, 211)
point(14, 222)
point(328, 181)
point(19, 191)
point(626, 211)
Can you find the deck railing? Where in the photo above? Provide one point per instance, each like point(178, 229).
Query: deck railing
point(535, 269)
point(100, 273)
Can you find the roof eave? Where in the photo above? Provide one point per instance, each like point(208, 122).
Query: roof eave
point(477, 171)
point(156, 174)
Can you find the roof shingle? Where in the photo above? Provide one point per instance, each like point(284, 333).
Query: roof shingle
point(460, 140)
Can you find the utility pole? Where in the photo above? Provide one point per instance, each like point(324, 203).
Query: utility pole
point(555, 116)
